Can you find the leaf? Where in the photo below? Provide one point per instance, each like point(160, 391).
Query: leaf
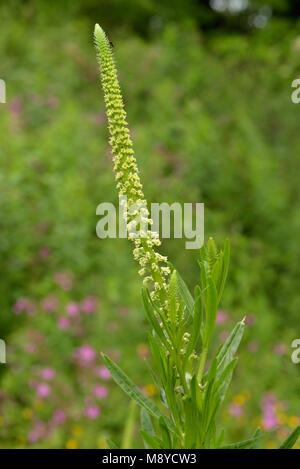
point(191, 421)
point(146, 424)
point(211, 306)
point(291, 439)
point(173, 297)
point(246, 444)
point(225, 266)
point(134, 392)
point(166, 437)
point(151, 318)
point(151, 441)
point(159, 359)
point(185, 294)
point(257, 432)
point(230, 346)
point(111, 444)
point(225, 379)
point(220, 437)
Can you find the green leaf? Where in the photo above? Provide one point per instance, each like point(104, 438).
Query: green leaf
point(257, 432)
point(291, 439)
point(159, 359)
point(166, 437)
point(211, 306)
point(246, 444)
point(151, 318)
point(230, 346)
point(225, 379)
point(185, 294)
point(226, 260)
point(153, 442)
point(146, 424)
point(134, 392)
point(173, 297)
point(111, 444)
point(195, 340)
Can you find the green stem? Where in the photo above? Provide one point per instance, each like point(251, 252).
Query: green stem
point(202, 364)
point(129, 427)
point(181, 373)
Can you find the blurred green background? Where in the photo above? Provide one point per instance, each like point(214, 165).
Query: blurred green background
point(207, 86)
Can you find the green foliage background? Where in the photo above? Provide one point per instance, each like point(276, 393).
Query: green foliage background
point(208, 102)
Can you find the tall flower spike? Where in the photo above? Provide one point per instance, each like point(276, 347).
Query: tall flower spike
point(126, 174)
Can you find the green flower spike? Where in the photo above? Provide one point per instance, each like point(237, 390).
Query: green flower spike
point(127, 175)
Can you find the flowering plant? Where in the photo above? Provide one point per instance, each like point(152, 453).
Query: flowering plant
point(182, 324)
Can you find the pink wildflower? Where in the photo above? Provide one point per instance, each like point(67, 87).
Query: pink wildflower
point(221, 317)
point(86, 355)
point(100, 391)
point(23, 305)
point(64, 280)
point(59, 417)
point(49, 304)
point(88, 305)
point(63, 323)
point(92, 411)
point(72, 309)
point(47, 373)
point(103, 373)
point(236, 410)
point(43, 390)
point(268, 407)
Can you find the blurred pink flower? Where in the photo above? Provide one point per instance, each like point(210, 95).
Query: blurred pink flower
point(43, 390)
point(88, 305)
point(222, 316)
point(24, 305)
point(85, 355)
point(235, 410)
point(59, 417)
point(269, 418)
point(64, 280)
point(92, 411)
point(37, 433)
point(15, 106)
point(63, 323)
point(72, 309)
point(103, 372)
point(100, 391)
point(49, 304)
point(47, 373)
point(30, 348)
point(269, 421)
point(44, 253)
point(280, 349)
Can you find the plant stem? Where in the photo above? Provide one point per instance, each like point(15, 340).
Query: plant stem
point(129, 427)
point(202, 364)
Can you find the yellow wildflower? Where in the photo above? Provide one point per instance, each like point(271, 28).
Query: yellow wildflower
point(72, 444)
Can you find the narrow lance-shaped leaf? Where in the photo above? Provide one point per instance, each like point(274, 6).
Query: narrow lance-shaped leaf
point(134, 392)
point(146, 424)
point(211, 305)
point(185, 294)
point(228, 350)
point(291, 439)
